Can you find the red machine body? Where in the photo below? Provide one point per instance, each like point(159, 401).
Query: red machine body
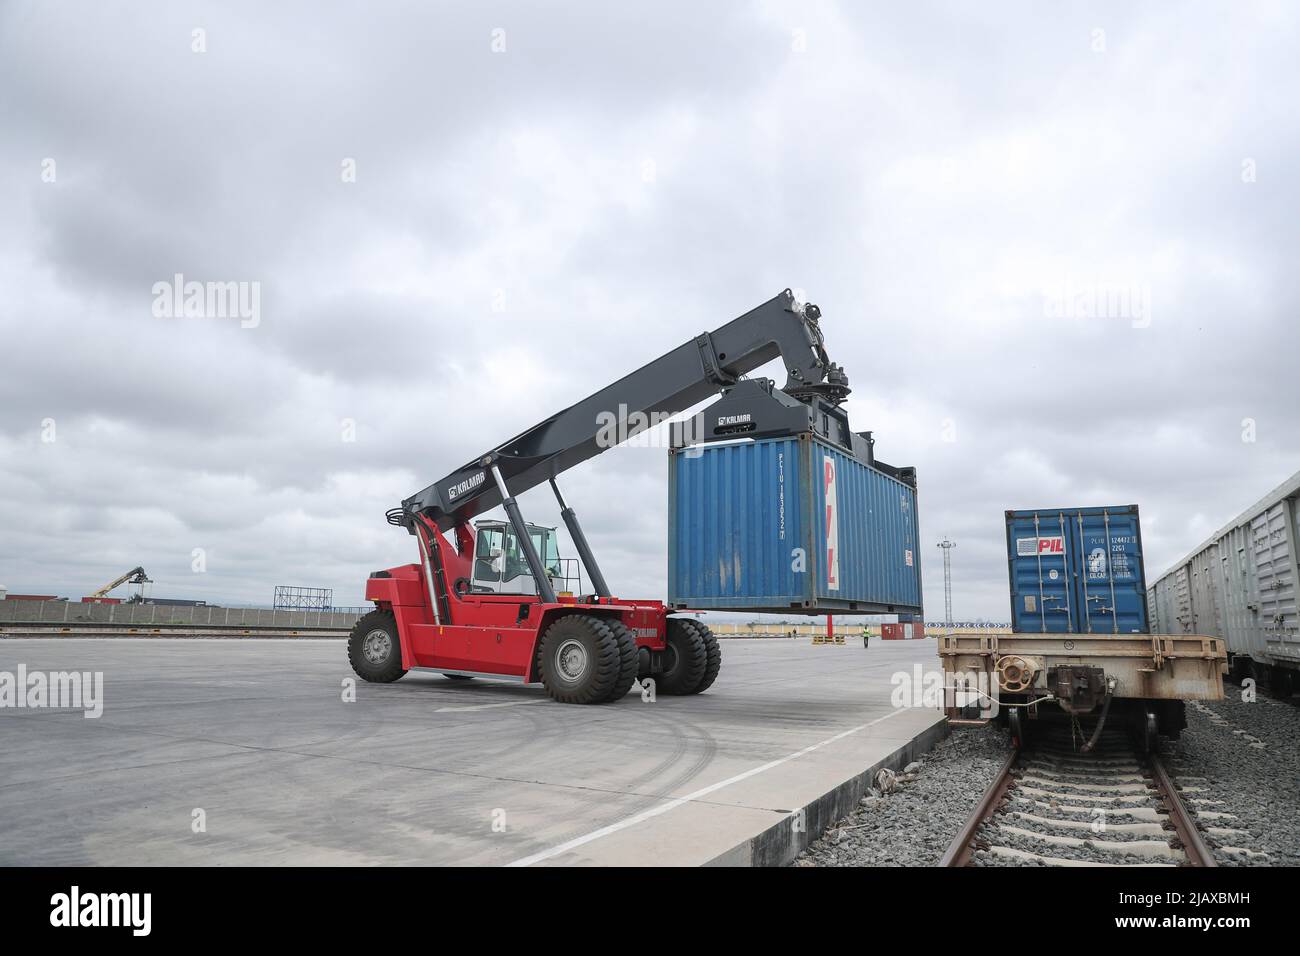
point(492, 633)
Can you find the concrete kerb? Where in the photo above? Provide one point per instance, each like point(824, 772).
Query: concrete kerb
point(781, 843)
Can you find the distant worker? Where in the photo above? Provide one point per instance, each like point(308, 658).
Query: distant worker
point(866, 635)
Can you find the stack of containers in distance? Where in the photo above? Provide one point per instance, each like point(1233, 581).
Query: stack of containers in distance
point(905, 630)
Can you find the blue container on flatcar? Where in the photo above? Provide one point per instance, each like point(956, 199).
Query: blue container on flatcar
point(789, 525)
point(1076, 571)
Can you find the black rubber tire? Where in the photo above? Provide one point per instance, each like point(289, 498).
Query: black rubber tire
point(712, 653)
point(1237, 668)
point(377, 672)
point(604, 660)
point(627, 658)
point(685, 660)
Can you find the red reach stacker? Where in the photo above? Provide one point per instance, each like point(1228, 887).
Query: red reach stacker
point(493, 599)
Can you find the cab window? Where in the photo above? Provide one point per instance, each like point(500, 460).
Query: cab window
point(489, 542)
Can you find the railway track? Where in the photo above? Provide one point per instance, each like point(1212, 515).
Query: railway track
point(1052, 805)
point(94, 629)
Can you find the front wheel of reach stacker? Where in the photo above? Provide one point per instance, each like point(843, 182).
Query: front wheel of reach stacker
point(373, 649)
point(581, 660)
point(686, 658)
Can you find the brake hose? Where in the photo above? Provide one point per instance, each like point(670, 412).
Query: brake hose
point(1101, 722)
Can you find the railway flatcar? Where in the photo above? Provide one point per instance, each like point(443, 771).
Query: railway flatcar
point(1082, 648)
point(1240, 584)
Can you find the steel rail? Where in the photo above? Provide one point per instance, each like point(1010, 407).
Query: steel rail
point(962, 848)
point(1198, 853)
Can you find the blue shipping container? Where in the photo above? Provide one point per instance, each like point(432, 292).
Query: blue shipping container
point(1077, 571)
point(789, 525)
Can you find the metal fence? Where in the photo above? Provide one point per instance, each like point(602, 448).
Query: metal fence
point(55, 612)
point(768, 628)
point(290, 598)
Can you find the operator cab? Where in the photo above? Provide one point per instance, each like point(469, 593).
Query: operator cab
point(500, 566)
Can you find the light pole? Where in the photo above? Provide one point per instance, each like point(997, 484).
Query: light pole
point(947, 579)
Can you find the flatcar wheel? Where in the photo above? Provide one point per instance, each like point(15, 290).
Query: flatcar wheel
point(1150, 733)
point(1281, 683)
point(1016, 724)
point(1237, 669)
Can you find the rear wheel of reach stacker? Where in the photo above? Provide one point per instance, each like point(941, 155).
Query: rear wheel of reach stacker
point(712, 655)
point(581, 660)
point(685, 658)
point(373, 648)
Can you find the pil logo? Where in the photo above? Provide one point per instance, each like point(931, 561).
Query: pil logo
point(1055, 546)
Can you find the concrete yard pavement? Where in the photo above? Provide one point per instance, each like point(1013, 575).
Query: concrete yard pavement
point(254, 738)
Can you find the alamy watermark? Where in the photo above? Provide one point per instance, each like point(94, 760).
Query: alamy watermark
point(179, 299)
point(55, 690)
point(636, 429)
point(1081, 298)
point(74, 909)
point(933, 689)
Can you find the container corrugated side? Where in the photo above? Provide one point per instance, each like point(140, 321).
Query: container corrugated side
point(736, 512)
point(789, 525)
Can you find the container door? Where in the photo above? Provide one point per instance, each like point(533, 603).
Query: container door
point(1166, 603)
point(863, 534)
point(1042, 590)
point(1112, 595)
point(1240, 605)
point(1183, 615)
point(1274, 534)
point(1206, 597)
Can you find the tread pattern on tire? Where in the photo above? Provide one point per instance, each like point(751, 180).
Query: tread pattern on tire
point(713, 655)
point(692, 660)
point(393, 669)
point(628, 662)
point(605, 659)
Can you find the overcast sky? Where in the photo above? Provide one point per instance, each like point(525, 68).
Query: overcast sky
point(1054, 246)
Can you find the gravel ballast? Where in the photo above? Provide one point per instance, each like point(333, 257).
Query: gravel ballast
point(1248, 754)
point(913, 824)
point(1237, 766)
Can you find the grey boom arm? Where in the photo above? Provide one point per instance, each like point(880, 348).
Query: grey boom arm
point(670, 384)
